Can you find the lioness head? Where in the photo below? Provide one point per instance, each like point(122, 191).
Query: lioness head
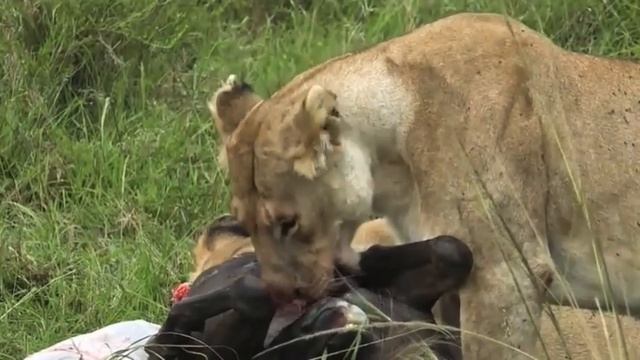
point(277, 154)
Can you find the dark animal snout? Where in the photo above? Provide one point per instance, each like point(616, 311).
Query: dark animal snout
point(453, 253)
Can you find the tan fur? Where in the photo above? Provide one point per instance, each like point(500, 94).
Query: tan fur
point(374, 232)
point(585, 336)
point(474, 126)
point(213, 251)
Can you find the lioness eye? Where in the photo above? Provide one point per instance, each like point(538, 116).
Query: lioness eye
point(288, 226)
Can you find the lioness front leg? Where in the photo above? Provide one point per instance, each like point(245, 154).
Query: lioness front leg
point(500, 304)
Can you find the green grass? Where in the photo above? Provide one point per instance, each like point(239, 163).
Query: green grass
point(107, 150)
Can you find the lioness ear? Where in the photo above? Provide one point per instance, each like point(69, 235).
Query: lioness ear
point(228, 106)
point(320, 107)
point(319, 102)
point(230, 103)
point(318, 123)
point(239, 149)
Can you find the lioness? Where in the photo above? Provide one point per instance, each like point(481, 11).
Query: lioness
point(474, 126)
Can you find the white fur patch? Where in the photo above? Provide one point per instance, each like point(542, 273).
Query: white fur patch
point(374, 108)
point(211, 104)
point(316, 163)
point(232, 81)
point(306, 166)
point(222, 159)
point(350, 181)
point(227, 85)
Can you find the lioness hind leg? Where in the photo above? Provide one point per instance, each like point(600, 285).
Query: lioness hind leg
point(501, 311)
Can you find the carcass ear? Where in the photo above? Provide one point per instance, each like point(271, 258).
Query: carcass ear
point(318, 124)
point(228, 106)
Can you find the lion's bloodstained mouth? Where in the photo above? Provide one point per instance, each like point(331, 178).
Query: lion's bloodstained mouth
point(284, 316)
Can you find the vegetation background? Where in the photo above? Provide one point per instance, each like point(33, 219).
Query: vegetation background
point(107, 149)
